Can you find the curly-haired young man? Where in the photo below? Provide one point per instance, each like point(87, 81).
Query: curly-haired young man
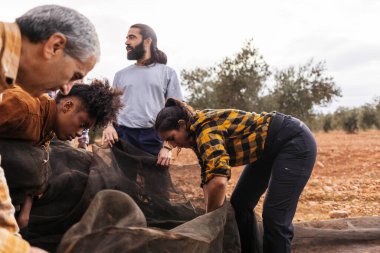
point(38, 119)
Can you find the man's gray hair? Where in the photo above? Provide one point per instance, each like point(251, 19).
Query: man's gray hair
point(39, 23)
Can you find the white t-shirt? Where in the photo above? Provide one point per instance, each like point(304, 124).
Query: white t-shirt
point(145, 90)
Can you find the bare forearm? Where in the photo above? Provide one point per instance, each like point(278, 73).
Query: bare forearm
point(215, 193)
point(23, 218)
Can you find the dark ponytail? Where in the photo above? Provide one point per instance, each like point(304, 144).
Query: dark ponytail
point(157, 56)
point(174, 110)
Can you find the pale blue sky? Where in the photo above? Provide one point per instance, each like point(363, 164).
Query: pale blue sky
point(200, 33)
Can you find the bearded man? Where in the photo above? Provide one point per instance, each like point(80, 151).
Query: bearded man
point(145, 85)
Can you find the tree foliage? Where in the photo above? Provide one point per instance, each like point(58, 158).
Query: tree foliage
point(233, 83)
point(240, 82)
point(327, 123)
point(377, 106)
point(298, 91)
point(368, 117)
point(349, 119)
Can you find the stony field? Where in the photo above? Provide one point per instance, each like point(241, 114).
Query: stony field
point(345, 180)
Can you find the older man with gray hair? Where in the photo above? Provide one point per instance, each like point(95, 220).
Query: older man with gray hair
point(45, 49)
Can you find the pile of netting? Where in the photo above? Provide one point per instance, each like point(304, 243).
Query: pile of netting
point(118, 200)
point(136, 214)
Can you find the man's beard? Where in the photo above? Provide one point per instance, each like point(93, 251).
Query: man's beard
point(137, 52)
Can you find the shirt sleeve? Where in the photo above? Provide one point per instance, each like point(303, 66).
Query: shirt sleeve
point(10, 240)
point(115, 81)
point(214, 158)
point(11, 243)
point(13, 112)
point(173, 86)
point(7, 211)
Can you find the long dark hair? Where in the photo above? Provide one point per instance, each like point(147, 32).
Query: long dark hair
point(174, 110)
point(157, 56)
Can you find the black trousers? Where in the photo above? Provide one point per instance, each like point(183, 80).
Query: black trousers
point(283, 170)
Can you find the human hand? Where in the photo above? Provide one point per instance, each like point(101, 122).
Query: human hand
point(164, 157)
point(109, 136)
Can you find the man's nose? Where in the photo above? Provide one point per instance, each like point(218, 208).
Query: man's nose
point(65, 89)
point(79, 132)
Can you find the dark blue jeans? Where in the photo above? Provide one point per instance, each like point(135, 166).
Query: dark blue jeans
point(283, 170)
point(143, 138)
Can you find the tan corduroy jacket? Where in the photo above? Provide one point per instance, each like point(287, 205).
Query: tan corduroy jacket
point(10, 50)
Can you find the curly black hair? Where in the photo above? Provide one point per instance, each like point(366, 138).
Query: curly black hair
point(99, 100)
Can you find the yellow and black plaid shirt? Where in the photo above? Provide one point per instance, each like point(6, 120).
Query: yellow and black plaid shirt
point(225, 138)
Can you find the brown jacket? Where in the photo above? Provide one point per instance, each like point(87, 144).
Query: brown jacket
point(24, 117)
point(10, 50)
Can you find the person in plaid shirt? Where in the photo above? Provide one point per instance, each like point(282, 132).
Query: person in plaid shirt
point(279, 152)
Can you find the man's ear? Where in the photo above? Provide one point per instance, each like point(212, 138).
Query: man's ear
point(147, 43)
point(67, 106)
point(182, 123)
point(54, 45)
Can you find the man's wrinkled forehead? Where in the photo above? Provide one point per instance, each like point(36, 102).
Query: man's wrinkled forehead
point(87, 66)
point(83, 67)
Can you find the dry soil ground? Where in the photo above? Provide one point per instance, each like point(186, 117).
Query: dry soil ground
point(346, 177)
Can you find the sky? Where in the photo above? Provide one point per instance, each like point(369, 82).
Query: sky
point(200, 33)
